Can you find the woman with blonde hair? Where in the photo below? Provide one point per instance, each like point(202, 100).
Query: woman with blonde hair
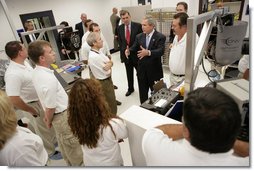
point(18, 145)
point(98, 130)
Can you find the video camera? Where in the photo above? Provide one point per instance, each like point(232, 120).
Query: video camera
point(70, 39)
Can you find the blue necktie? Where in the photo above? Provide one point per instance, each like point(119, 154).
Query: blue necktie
point(147, 41)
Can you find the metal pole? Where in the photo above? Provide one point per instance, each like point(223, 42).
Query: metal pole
point(194, 53)
point(7, 13)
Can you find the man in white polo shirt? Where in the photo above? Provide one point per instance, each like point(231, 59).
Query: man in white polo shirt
point(20, 89)
point(100, 66)
point(177, 55)
point(54, 101)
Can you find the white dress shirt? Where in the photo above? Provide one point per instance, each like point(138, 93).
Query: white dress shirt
point(18, 79)
point(49, 90)
point(107, 152)
point(23, 149)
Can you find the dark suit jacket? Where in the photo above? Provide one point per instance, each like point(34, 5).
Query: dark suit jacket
point(79, 27)
point(136, 28)
point(150, 66)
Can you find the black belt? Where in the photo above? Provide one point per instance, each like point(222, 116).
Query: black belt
point(104, 79)
point(60, 112)
point(32, 102)
point(178, 75)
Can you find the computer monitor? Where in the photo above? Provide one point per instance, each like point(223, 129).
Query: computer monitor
point(176, 111)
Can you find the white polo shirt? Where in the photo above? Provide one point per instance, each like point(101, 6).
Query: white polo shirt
point(107, 152)
point(97, 60)
point(18, 79)
point(105, 49)
point(161, 150)
point(85, 48)
point(177, 56)
point(244, 63)
point(83, 39)
point(50, 92)
point(23, 149)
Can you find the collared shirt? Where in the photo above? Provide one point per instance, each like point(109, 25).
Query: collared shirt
point(244, 63)
point(161, 150)
point(83, 39)
point(107, 152)
point(32, 37)
point(105, 49)
point(97, 60)
point(129, 26)
point(18, 79)
point(24, 148)
point(50, 92)
point(177, 56)
point(84, 28)
point(85, 48)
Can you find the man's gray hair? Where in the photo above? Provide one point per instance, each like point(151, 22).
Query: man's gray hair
point(150, 20)
point(92, 38)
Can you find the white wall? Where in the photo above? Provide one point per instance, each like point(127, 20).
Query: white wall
point(5, 31)
point(192, 5)
point(64, 10)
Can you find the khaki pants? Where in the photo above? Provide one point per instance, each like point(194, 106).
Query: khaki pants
point(47, 135)
point(109, 92)
point(69, 145)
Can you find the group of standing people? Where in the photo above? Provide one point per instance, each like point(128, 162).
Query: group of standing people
point(85, 124)
point(38, 92)
point(142, 46)
point(198, 136)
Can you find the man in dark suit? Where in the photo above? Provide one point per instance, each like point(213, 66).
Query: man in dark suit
point(81, 26)
point(150, 47)
point(126, 37)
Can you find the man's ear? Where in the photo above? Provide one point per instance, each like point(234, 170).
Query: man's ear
point(19, 52)
point(41, 58)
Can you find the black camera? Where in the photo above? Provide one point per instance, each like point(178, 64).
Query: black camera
point(70, 39)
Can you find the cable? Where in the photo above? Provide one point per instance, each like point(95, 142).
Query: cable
point(203, 66)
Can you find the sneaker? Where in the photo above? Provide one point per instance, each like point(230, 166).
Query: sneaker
point(56, 156)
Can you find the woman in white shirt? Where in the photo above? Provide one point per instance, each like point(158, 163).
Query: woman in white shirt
point(18, 145)
point(98, 130)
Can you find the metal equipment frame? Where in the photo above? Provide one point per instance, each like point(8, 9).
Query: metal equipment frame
point(194, 53)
